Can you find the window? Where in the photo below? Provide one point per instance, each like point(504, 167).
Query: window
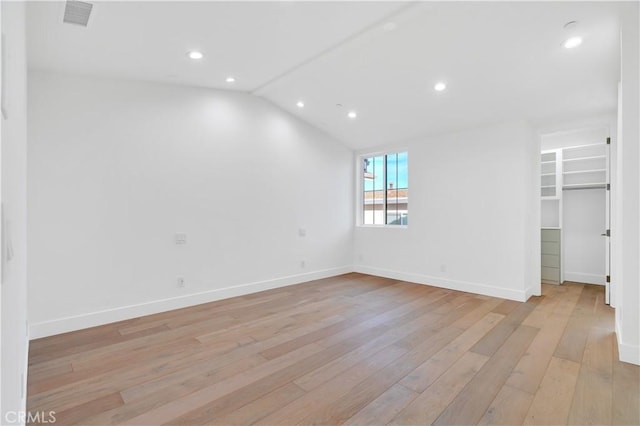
point(385, 189)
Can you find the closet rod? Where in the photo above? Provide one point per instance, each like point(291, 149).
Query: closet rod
point(570, 188)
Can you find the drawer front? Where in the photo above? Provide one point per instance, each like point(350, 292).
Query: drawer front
point(551, 235)
point(551, 274)
point(552, 248)
point(551, 261)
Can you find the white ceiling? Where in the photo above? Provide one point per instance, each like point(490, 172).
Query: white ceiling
point(501, 60)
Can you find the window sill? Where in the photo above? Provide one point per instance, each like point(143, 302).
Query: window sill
point(383, 226)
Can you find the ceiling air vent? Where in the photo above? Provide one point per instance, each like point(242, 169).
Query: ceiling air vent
point(77, 12)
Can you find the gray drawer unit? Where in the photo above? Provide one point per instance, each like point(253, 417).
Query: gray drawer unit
point(550, 235)
point(550, 261)
point(550, 255)
point(550, 275)
point(551, 248)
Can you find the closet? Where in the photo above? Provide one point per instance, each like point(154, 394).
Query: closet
point(574, 206)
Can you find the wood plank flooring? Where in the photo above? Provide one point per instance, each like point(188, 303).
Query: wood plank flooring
point(353, 349)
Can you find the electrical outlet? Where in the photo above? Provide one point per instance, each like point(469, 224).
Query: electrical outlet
point(181, 238)
point(181, 282)
point(302, 232)
point(303, 264)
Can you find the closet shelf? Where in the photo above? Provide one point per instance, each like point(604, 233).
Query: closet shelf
point(595, 157)
point(595, 185)
point(585, 171)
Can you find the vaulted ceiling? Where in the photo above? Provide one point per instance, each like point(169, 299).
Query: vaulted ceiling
point(500, 60)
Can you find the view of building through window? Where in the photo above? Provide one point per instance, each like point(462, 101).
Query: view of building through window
point(385, 189)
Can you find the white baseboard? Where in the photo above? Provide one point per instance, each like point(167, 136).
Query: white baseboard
point(78, 322)
point(627, 353)
point(584, 278)
point(470, 287)
point(531, 292)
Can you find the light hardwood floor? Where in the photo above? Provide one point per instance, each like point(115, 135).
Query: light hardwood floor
point(352, 349)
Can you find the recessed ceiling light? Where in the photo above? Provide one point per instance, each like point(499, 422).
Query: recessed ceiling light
point(300, 104)
point(352, 114)
point(572, 42)
point(230, 80)
point(194, 54)
point(440, 86)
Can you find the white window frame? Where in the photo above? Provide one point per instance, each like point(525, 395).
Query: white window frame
point(359, 199)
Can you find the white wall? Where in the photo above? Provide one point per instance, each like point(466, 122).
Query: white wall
point(117, 167)
point(14, 338)
point(473, 215)
point(531, 193)
point(592, 133)
point(625, 274)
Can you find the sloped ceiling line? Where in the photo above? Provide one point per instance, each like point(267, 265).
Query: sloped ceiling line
point(405, 8)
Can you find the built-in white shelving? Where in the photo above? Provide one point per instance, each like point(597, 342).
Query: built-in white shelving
point(584, 167)
point(586, 171)
point(549, 177)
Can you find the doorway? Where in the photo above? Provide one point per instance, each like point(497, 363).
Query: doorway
point(575, 207)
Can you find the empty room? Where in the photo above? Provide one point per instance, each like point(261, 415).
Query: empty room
point(320, 212)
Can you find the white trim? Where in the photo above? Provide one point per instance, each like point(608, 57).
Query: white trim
point(469, 287)
point(627, 353)
point(25, 380)
point(92, 319)
point(399, 200)
point(531, 292)
point(384, 226)
point(580, 277)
